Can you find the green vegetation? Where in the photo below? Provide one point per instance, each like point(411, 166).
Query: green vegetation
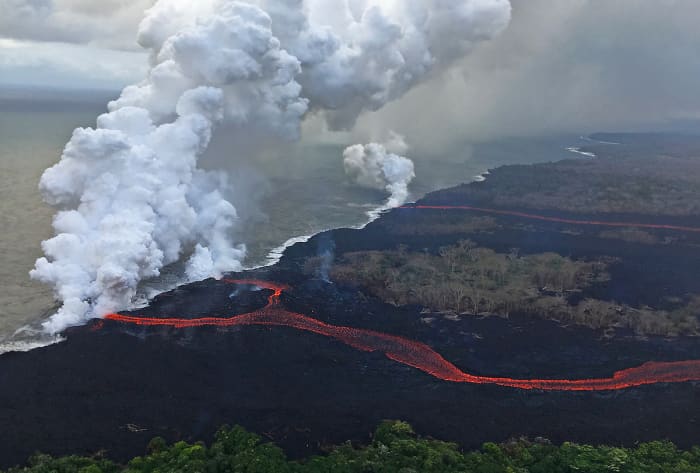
point(394, 449)
point(466, 279)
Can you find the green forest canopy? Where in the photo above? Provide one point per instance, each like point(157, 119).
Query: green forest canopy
point(395, 449)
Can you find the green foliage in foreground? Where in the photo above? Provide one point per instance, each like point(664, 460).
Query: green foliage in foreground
point(395, 448)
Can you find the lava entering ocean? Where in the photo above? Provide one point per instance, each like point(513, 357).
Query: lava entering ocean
point(416, 354)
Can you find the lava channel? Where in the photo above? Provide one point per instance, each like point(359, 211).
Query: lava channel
point(416, 354)
point(545, 218)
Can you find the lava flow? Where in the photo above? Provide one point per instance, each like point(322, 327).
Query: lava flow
point(545, 218)
point(416, 354)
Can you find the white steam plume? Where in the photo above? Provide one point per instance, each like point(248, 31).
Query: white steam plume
point(378, 166)
point(130, 196)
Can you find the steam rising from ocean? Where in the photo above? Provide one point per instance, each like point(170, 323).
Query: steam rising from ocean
point(379, 167)
point(129, 194)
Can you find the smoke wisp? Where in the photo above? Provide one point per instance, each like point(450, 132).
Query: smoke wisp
point(129, 194)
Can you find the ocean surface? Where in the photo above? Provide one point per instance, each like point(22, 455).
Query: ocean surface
point(280, 200)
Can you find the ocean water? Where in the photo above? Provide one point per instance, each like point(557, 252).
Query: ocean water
point(30, 141)
point(278, 198)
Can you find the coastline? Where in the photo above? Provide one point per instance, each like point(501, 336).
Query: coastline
point(39, 339)
point(276, 254)
point(577, 150)
point(19, 346)
point(305, 390)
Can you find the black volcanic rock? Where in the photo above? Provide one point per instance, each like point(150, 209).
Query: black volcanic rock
point(113, 386)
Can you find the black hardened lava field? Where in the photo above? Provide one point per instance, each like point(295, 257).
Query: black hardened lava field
point(308, 359)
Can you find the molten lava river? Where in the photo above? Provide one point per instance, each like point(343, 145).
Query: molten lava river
point(417, 354)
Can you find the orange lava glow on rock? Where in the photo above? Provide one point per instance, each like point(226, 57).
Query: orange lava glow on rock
point(554, 219)
point(416, 354)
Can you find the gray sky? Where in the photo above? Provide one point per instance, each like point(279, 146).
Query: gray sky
point(562, 65)
point(70, 43)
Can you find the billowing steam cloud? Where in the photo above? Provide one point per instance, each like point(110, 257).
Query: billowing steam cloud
point(129, 194)
point(134, 202)
point(379, 167)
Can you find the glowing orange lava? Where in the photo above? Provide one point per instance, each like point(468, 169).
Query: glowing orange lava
point(553, 219)
point(416, 354)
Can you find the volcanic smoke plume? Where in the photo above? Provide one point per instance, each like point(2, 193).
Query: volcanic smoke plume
point(379, 167)
point(129, 195)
